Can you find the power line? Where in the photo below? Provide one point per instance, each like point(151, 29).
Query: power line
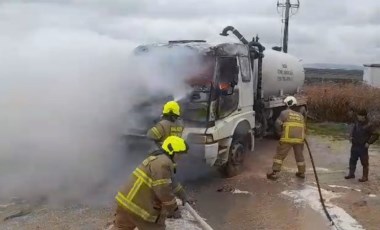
point(288, 7)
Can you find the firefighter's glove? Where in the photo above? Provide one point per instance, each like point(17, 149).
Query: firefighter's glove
point(176, 214)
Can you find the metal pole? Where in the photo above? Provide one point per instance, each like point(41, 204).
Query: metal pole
point(286, 29)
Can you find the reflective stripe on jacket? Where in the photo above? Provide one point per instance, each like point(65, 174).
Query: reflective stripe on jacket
point(150, 191)
point(165, 128)
point(293, 127)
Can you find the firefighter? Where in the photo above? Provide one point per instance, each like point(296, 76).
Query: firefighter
point(291, 125)
point(149, 196)
point(169, 125)
point(361, 136)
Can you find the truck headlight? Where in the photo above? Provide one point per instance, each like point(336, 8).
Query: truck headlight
point(200, 138)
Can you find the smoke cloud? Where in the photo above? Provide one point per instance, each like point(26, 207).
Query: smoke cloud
point(68, 84)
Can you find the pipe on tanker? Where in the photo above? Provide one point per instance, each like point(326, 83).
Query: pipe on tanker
point(261, 49)
point(236, 33)
point(258, 45)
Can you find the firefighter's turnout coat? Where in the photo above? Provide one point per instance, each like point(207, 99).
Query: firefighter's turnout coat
point(291, 125)
point(165, 128)
point(151, 189)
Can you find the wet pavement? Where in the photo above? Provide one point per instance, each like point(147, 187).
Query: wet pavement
point(290, 203)
point(250, 201)
point(266, 207)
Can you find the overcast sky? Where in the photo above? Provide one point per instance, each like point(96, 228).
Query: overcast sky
point(340, 31)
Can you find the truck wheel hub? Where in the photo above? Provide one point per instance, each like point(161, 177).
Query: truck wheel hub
point(237, 152)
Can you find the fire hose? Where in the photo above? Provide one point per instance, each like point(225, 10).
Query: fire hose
point(319, 187)
point(199, 219)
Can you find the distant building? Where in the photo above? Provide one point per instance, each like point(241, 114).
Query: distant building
point(371, 75)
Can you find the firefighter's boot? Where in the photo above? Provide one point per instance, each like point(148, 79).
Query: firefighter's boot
point(272, 176)
point(365, 175)
point(300, 175)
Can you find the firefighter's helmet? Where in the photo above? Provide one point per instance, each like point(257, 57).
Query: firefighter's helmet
point(171, 108)
point(174, 145)
point(290, 101)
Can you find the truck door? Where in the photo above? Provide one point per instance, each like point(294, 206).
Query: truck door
point(227, 83)
point(245, 84)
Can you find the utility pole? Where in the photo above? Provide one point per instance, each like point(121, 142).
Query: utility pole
point(288, 6)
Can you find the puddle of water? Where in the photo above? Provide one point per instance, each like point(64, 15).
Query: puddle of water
point(5, 205)
point(345, 187)
point(309, 196)
point(237, 191)
point(338, 186)
point(320, 169)
point(287, 169)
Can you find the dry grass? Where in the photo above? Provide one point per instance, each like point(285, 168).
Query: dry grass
point(333, 102)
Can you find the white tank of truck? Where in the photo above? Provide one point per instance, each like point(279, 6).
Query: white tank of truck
point(281, 72)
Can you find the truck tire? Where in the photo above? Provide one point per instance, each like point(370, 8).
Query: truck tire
point(237, 154)
point(235, 160)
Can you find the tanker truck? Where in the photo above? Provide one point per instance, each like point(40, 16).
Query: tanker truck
point(236, 97)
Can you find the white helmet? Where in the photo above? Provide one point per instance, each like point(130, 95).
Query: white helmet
point(290, 101)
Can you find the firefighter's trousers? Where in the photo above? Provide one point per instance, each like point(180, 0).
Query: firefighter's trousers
point(283, 150)
point(127, 221)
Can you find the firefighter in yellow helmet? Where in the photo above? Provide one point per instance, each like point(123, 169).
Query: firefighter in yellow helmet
point(291, 125)
point(149, 196)
point(169, 125)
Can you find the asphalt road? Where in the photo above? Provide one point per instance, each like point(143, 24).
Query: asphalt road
point(264, 207)
point(247, 201)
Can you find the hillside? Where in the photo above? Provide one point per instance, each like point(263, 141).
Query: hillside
point(314, 75)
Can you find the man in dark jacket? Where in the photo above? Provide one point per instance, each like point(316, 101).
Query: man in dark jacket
point(361, 136)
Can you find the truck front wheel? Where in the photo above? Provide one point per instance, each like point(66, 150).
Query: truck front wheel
point(238, 150)
point(234, 166)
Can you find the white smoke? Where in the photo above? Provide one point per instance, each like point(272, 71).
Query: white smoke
point(67, 82)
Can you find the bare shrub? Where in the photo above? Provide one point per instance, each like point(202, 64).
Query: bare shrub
point(334, 102)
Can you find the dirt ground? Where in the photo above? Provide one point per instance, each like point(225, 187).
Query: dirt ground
point(249, 201)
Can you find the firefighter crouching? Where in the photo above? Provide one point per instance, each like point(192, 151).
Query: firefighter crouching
point(149, 196)
point(362, 135)
point(169, 125)
point(292, 126)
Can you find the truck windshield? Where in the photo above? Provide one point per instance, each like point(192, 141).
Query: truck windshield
point(183, 65)
point(195, 104)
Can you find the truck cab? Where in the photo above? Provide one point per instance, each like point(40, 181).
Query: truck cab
point(218, 109)
point(226, 100)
